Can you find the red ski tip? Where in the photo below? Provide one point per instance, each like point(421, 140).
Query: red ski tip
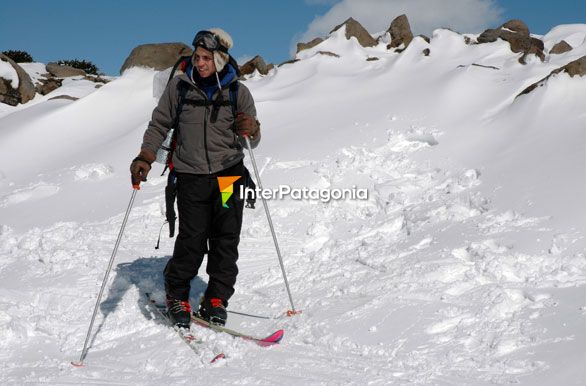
point(77, 364)
point(272, 339)
point(218, 357)
point(292, 313)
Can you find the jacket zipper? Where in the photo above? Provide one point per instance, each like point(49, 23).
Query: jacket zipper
point(205, 140)
point(205, 130)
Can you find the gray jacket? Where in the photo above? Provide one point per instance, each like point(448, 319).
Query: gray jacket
point(202, 147)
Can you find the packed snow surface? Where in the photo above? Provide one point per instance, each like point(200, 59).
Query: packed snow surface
point(465, 265)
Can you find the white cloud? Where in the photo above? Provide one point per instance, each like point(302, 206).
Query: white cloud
point(466, 16)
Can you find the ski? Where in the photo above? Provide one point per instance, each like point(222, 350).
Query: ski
point(190, 338)
point(270, 340)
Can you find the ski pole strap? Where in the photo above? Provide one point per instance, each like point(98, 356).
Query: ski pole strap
point(159, 239)
point(170, 195)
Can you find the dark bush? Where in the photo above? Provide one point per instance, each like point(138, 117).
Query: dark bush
point(18, 56)
point(85, 65)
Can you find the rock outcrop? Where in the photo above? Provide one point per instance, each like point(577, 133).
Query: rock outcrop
point(47, 85)
point(64, 71)
point(308, 45)
point(96, 79)
point(66, 97)
point(290, 61)
point(560, 48)
point(356, 30)
point(158, 56)
point(256, 63)
point(517, 34)
point(329, 53)
point(575, 68)
point(25, 90)
point(400, 32)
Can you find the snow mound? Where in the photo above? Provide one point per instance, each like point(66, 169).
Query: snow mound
point(92, 172)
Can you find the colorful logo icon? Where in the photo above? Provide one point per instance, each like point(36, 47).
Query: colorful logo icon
point(226, 184)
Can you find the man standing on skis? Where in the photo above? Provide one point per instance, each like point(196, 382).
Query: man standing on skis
point(208, 144)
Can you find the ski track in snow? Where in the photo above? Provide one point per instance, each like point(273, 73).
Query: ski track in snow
point(31, 193)
point(358, 265)
point(41, 190)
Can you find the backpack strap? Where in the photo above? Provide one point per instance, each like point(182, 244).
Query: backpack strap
point(180, 102)
point(175, 127)
point(234, 96)
point(233, 100)
point(248, 181)
point(233, 91)
point(181, 63)
point(234, 64)
point(171, 188)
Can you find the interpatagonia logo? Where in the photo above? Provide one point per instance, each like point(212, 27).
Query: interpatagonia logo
point(305, 193)
point(226, 184)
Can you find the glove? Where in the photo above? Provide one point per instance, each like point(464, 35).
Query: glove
point(247, 125)
point(140, 166)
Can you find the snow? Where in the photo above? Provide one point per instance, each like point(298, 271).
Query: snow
point(35, 70)
point(9, 73)
point(466, 264)
point(573, 34)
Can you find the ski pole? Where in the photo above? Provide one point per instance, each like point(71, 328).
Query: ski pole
point(270, 221)
point(136, 187)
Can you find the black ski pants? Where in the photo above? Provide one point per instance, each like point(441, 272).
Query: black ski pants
point(206, 226)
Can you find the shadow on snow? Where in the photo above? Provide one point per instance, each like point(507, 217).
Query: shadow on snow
point(146, 274)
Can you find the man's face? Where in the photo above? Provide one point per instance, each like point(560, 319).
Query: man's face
point(204, 62)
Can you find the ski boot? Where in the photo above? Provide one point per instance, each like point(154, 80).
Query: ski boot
point(179, 312)
point(214, 311)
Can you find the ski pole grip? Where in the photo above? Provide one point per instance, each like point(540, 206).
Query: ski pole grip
point(135, 183)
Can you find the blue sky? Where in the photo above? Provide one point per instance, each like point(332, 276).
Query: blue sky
point(105, 32)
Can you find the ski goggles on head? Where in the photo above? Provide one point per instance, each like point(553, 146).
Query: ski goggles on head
point(209, 41)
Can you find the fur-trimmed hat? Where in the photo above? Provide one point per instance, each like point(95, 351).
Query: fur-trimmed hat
point(221, 56)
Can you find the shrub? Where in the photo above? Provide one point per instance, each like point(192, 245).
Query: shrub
point(18, 56)
point(85, 65)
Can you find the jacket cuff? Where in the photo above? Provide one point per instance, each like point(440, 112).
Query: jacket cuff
point(147, 155)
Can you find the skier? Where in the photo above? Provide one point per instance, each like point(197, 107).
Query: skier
point(209, 142)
